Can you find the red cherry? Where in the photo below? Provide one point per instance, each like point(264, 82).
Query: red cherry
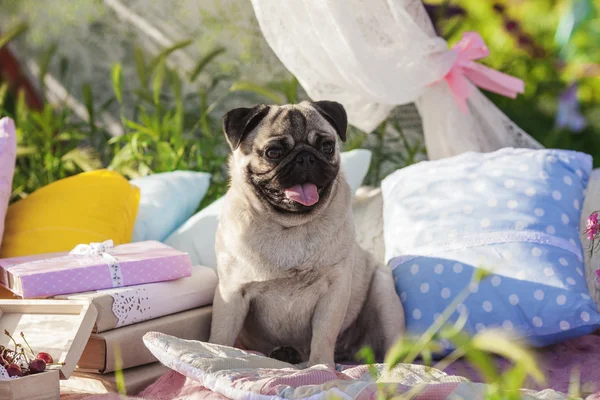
point(14, 370)
point(46, 357)
point(36, 366)
point(8, 358)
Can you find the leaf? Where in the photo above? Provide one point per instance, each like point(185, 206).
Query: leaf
point(291, 90)
point(88, 100)
point(513, 379)
point(12, 34)
point(119, 378)
point(157, 82)
point(21, 109)
point(85, 158)
point(3, 91)
point(448, 332)
point(152, 121)
point(481, 274)
point(106, 104)
point(45, 63)
point(26, 150)
point(69, 136)
point(204, 61)
point(162, 56)
point(484, 363)
point(141, 128)
point(118, 139)
point(426, 356)
point(117, 77)
point(176, 86)
point(397, 352)
point(122, 156)
point(575, 384)
point(492, 341)
point(367, 356)
point(257, 89)
point(140, 67)
point(63, 68)
point(144, 96)
point(166, 156)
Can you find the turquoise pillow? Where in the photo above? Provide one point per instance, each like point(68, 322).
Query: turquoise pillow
point(167, 200)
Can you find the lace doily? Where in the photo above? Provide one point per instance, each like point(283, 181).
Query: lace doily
point(131, 306)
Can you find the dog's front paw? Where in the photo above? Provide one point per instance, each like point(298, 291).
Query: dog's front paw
point(329, 363)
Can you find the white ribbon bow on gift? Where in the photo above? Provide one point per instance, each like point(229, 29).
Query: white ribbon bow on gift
point(102, 249)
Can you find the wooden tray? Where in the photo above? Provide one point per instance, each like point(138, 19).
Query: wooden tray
point(59, 327)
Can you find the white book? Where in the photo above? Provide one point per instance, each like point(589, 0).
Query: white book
point(125, 306)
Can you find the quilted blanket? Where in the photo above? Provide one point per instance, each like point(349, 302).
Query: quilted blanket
point(239, 374)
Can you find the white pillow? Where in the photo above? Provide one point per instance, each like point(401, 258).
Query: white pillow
point(197, 235)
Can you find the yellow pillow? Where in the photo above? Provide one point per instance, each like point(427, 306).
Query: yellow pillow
point(89, 207)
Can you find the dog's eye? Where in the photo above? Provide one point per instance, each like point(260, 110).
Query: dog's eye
point(328, 148)
point(274, 153)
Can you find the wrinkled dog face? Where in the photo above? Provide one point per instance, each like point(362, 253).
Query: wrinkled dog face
point(288, 154)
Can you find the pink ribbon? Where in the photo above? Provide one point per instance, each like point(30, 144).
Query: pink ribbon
point(470, 48)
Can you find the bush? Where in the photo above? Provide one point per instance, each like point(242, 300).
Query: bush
point(167, 130)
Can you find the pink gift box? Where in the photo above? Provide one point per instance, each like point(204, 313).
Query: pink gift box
point(130, 264)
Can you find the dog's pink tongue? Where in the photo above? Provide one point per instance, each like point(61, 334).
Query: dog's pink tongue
point(305, 194)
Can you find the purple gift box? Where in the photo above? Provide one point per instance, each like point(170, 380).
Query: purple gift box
point(93, 267)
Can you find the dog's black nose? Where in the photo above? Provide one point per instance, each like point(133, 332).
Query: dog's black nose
point(305, 159)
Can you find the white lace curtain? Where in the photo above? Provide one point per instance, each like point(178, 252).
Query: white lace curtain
point(372, 55)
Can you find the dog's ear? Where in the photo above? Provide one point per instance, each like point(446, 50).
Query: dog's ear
point(240, 121)
point(335, 114)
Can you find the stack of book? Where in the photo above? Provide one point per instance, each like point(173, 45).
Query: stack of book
point(177, 302)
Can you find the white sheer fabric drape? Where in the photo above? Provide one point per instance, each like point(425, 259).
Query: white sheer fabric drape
point(372, 55)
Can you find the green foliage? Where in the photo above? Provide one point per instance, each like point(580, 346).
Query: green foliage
point(204, 61)
point(119, 378)
point(49, 147)
point(391, 147)
point(161, 135)
point(164, 135)
point(12, 33)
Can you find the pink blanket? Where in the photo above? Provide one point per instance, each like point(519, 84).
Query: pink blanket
point(171, 386)
point(557, 361)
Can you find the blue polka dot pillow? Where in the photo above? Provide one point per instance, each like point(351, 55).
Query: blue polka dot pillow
point(515, 212)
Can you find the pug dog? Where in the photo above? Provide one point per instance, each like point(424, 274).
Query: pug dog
point(291, 274)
